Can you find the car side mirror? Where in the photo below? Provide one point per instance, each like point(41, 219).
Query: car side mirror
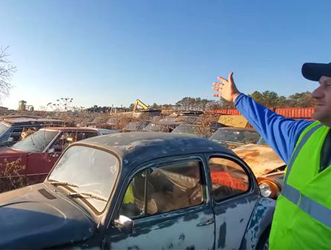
point(51, 150)
point(124, 224)
point(54, 150)
point(10, 139)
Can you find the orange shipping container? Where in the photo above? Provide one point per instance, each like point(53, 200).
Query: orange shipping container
point(297, 113)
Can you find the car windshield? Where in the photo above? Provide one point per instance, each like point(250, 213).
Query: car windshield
point(3, 128)
point(88, 171)
point(135, 126)
point(186, 129)
point(235, 135)
point(37, 142)
point(107, 131)
point(153, 127)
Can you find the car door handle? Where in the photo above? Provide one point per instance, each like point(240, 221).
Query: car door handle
point(206, 223)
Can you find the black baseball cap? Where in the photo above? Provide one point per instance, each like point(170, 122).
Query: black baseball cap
point(314, 71)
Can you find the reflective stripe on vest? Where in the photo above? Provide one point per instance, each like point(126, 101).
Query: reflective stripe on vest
point(309, 206)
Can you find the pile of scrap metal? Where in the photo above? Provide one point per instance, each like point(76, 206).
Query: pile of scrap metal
point(267, 166)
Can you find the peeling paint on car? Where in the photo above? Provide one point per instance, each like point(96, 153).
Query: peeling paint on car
point(259, 222)
point(233, 223)
point(222, 236)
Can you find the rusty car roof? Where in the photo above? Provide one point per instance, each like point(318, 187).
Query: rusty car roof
point(141, 146)
point(19, 120)
point(70, 128)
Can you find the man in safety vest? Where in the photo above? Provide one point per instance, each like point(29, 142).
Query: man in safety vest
point(302, 218)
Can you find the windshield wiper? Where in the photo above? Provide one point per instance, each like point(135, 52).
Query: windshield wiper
point(62, 183)
point(86, 195)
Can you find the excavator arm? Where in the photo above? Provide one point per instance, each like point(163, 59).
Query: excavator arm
point(139, 103)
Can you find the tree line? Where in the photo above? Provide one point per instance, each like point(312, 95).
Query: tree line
point(266, 98)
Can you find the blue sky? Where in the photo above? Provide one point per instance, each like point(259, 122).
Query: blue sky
point(112, 52)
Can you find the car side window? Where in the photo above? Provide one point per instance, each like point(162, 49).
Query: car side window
point(228, 178)
point(169, 187)
point(134, 199)
point(63, 141)
point(16, 134)
point(175, 186)
point(27, 131)
point(85, 135)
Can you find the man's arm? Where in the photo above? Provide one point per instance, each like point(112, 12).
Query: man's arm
point(279, 132)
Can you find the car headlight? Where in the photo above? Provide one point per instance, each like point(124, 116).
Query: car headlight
point(265, 190)
point(268, 188)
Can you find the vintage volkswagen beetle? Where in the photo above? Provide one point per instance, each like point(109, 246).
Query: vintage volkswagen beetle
point(140, 191)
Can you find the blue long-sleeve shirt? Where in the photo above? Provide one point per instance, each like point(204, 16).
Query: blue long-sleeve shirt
point(279, 132)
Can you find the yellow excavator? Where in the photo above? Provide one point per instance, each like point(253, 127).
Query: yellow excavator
point(140, 104)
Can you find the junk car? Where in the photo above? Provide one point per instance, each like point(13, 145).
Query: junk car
point(161, 126)
point(135, 126)
point(13, 129)
point(140, 191)
point(233, 137)
point(191, 129)
point(30, 160)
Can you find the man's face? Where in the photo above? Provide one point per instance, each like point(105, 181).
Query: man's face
point(322, 96)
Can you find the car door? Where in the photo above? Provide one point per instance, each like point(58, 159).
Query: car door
point(13, 171)
point(39, 164)
point(38, 167)
point(233, 197)
point(169, 207)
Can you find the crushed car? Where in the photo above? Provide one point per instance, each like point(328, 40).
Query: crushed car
point(267, 166)
point(140, 191)
point(30, 160)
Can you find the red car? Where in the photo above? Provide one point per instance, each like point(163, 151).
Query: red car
point(30, 160)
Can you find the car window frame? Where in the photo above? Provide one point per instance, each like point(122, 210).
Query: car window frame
point(52, 141)
point(160, 163)
point(60, 133)
point(251, 178)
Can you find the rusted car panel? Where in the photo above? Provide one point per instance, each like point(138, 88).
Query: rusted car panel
point(267, 166)
point(262, 159)
point(238, 121)
point(143, 163)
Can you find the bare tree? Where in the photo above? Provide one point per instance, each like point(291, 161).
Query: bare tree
point(62, 104)
point(7, 69)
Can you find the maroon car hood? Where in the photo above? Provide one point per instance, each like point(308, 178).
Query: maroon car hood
point(11, 152)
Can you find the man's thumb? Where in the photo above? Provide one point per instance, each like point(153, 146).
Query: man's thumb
point(230, 78)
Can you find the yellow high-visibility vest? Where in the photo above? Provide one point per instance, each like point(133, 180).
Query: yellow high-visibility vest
point(302, 219)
